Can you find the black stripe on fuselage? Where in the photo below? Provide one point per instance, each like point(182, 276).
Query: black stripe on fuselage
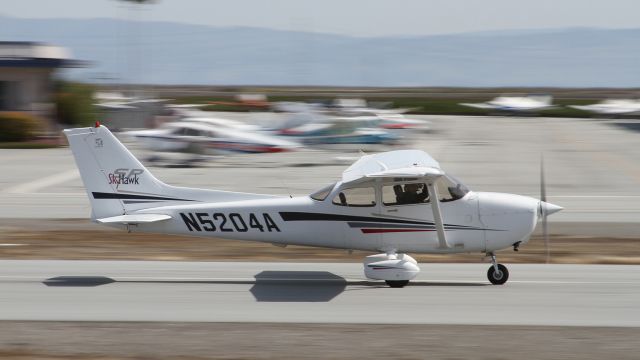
point(388, 226)
point(117, 196)
point(306, 216)
point(376, 225)
point(360, 221)
point(140, 201)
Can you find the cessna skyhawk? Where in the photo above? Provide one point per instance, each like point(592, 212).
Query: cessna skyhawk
point(392, 203)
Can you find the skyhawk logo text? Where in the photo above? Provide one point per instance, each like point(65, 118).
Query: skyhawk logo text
point(125, 176)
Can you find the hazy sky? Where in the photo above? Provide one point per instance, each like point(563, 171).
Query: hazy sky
point(354, 17)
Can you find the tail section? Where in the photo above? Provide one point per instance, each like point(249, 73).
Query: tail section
point(118, 184)
point(114, 179)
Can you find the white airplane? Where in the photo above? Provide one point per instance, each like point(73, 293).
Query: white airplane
point(206, 118)
point(394, 203)
point(347, 133)
point(203, 137)
point(516, 103)
point(612, 107)
point(118, 101)
point(303, 113)
point(359, 107)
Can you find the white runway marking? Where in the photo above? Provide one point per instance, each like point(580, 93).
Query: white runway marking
point(34, 186)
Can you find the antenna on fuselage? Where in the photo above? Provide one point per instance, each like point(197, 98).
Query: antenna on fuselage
point(286, 187)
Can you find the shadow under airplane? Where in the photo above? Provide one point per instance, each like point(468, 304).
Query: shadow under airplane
point(268, 286)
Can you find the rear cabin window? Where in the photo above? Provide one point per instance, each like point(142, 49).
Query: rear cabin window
point(358, 197)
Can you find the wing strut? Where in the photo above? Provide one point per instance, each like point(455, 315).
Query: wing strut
point(437, 215)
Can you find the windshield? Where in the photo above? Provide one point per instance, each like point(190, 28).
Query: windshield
point(450, 188)
point(322, 194)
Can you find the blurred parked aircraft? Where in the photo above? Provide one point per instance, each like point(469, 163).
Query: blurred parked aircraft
point(530, 103)
point(303, 113)
point(207, 139)
point(612, 107)
point(349, 132)
point(186, 113)
point(117, 100)
point(359, 106)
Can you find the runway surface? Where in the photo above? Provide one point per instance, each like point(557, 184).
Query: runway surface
point(573, 295)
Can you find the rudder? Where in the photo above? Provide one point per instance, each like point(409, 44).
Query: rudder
point(115, 180)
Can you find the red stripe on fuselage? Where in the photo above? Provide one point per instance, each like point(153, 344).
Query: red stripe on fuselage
point(376, 231)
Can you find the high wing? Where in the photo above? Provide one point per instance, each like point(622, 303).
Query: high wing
point(399, 163)
point(402, 164)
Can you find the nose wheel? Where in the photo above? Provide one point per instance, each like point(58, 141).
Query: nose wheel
point(497, 273)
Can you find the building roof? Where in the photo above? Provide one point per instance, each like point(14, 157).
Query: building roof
point(35, 54)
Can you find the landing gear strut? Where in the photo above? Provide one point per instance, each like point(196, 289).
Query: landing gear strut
point(395, 269)
point(497, 273)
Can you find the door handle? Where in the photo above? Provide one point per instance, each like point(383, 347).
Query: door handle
point(392, 210)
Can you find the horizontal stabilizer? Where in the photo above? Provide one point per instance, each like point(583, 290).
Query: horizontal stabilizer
point(134, 219)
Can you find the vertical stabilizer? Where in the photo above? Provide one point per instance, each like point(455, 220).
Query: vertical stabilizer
point(114, 179)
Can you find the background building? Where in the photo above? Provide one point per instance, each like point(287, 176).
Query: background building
point(27, 71)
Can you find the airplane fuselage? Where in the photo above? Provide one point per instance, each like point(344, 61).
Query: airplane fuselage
point(478, 222)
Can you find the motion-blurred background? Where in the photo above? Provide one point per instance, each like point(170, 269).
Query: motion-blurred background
point(219, 94)
point(280, 97)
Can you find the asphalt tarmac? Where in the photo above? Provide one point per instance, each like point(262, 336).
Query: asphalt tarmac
point(555, 295)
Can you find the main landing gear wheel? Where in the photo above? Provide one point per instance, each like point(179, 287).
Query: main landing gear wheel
point(499, 276)
point(397, 283)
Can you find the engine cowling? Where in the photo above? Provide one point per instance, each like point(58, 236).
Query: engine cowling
point(390, 267)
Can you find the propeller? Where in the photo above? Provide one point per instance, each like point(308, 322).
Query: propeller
point(543, 212)
point(546, 209)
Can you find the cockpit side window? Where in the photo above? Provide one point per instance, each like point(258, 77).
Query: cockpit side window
point(405, 194)
point(408, 193)
point(322, 194)
point(357, 197)
point(192, 132)
point(177, 131)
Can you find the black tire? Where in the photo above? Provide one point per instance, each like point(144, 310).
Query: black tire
point(498, 278)
point(397, 283)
